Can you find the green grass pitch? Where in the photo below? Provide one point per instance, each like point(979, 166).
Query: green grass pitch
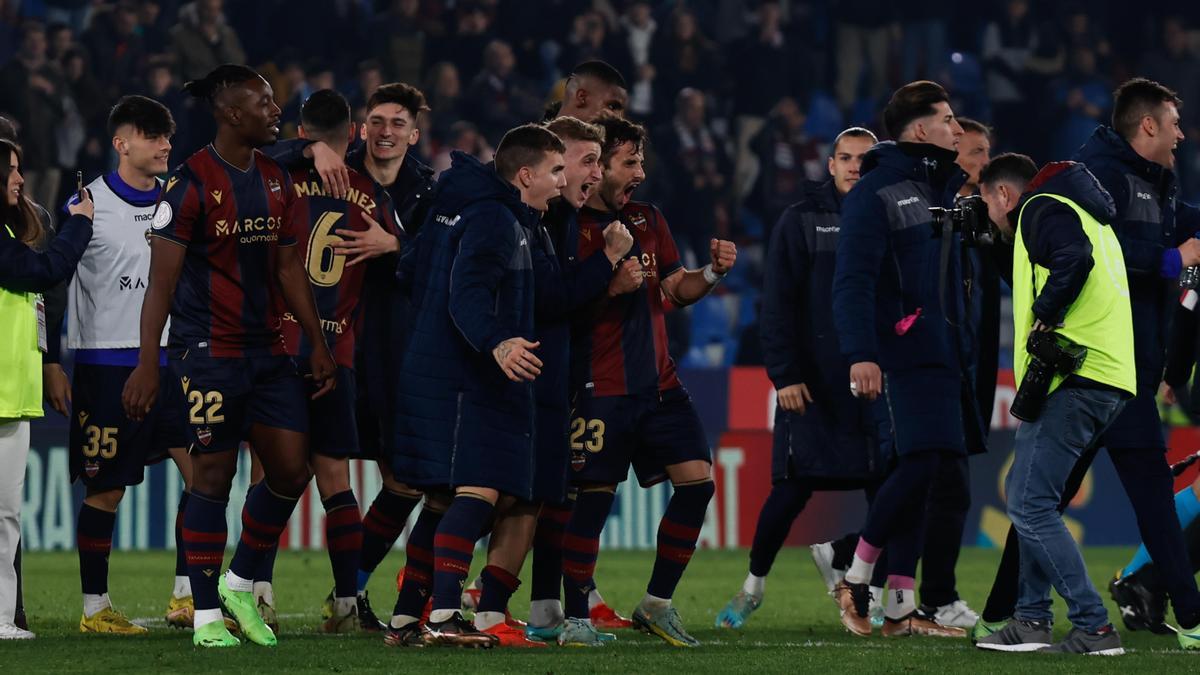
point(796, 630)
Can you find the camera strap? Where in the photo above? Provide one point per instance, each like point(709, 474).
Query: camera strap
point(944, 266)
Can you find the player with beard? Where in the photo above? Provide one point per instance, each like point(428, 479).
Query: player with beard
point(223, 245)
point(630, 408)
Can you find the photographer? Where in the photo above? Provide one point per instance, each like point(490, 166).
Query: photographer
point(1074, 362)
point(898, 301)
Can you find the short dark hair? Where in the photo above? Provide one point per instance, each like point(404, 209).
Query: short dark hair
point(910, 102)
point(146, 115)
point(218, 80)
point(525, 145)
point(618, 131)
point(574, 129)
point(600, 70)
point(1009, 167)
point(1137, 98)
point(404, 95)
point(324, 111)
point(970, 126)
point(853, 132)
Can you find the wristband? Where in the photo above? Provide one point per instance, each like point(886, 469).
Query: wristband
point(710, 276)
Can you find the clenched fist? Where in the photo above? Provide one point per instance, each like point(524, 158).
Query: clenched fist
point(617, 241)
point(724, 255)
point(627, 279)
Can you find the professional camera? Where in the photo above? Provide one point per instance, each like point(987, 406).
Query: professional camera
point(1050, 354)
point(969, 216)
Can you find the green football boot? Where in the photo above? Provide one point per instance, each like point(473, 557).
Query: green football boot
point(214, 634)
point(244, 610)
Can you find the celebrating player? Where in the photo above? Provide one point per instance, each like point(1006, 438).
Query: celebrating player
point(630, 407)
point(108, 450)
point(223, 244)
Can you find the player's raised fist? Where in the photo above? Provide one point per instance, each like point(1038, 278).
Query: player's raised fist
point(724, 255)
point(628, 278)
point(617, 241)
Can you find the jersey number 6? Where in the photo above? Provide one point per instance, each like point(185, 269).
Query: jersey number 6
point(325, 266)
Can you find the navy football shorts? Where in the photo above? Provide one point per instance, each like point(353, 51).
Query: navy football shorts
point(224, 397)
point(109, 450)
point(333, 431)
point(610, 433)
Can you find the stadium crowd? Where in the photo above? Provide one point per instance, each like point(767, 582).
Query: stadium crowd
point(473, 297)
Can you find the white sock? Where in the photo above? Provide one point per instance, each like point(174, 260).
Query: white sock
point(860, 571)
point(402, 620)
point(545, 613)
point(594, 599)
point(477, 584)
point(264, 590)
point(485, 620)
point(183, 587)
point(203, 617)
point(653, 602)
point(344, 606)
point(754, 585)
point(93, 603)
point(440, 615)
point(877, 595)
point(900, 603)
point(238, 584)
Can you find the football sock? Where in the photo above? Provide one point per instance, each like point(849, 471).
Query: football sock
point(93, 603)
point(418, 568)
point(677, 534)
point(581, 545)
point(901, 601)
point(786, 501)
point(265, 591)
point(93, 538)
point(180, 560)
point(1187, 507)
point(545, 613)
point(203, 617)
point(453, 546)
point(753, 585)
point(547, 552)
point(863, 565)
point(654, 602)
point(843, 551)
point(343, 538)
point(238, 583)
point(498, 586)
point(265, 569)
point(183, 587)
point(204, 533)
point(594, 597)
point(263, 518)
point(381, 526)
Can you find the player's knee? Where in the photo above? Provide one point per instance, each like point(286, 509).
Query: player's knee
point(105, 500)
point(692, 471)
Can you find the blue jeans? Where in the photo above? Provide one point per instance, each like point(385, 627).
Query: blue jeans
point(1046, 451)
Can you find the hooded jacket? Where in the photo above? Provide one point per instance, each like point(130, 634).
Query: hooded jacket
point(460, 421)
point(899, 300)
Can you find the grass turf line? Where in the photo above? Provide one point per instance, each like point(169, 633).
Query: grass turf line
point(796, 630)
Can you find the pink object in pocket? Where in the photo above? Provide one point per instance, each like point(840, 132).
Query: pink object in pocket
point(905, 324)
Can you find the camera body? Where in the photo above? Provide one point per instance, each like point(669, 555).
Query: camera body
point(969, 217)
point(1050, 354)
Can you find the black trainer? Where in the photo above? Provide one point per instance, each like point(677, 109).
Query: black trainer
point(1018, 636)
point(414, 634)
point(458, 632)
point(1141, 608)
point(366, 616)
point(1104, 642)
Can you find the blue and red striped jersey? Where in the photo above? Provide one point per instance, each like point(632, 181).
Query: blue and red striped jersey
point(336, 287)
point(230, 221)
point(623, 350)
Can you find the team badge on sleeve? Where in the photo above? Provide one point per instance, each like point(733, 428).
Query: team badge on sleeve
point(162, 216)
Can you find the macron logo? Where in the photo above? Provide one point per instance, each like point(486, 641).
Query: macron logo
point(908, 202)
point(1144, 195)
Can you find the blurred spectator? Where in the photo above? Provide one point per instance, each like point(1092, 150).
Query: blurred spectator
point(202, 40)
point(1172, 64)
point(760, 68)
point(117, 54)
point(34, 92)
point(85, 117)
point(697, 173)
point(74, 13)
point(443, 92)
point(60, 39)
point(398, 40)
point(155, 30)
point(161, 85)
point(497, 99)
point(923, 39)
point(1008, 45)
point(683, 58)
point(638, 30)
point(787, 158)
point(464, 137)
point(1083, 98)
point(590, 41)
point(862, 29)
point(317, 76)
point(370, 77)
point(466, 44)
point(10, 28)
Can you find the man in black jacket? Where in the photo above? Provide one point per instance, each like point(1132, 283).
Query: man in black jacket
point(821, 439)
